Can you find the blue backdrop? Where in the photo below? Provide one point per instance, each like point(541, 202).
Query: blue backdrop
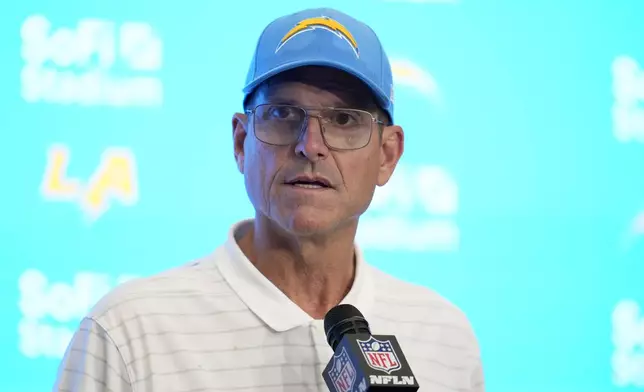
point(520, 196)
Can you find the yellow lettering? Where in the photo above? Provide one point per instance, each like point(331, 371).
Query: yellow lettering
point(115, 179)
point(55, 184)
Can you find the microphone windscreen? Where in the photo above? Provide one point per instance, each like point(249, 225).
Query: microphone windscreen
point(341, 320)
point(340, 313)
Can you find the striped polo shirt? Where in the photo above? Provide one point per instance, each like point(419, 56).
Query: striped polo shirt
point(217, 324)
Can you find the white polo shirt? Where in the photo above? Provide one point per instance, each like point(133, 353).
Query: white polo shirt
point(217, 324)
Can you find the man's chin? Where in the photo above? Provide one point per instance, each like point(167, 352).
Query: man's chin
point(310, 227)
point(308, 222)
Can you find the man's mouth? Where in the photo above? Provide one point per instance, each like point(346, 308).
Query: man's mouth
point(309, 183)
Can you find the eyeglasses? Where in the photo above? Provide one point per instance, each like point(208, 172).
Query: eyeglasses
point(342, 129)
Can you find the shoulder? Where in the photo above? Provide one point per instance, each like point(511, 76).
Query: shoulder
point(171, 291)
point(125, 315)
point(419, 308)
point(437, 335)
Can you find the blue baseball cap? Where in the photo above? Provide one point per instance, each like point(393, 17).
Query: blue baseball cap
point(323, 37)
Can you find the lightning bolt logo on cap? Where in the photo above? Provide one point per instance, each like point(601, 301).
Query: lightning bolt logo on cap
point(320, 22)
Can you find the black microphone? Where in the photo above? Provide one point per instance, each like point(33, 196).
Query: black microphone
point(362, 362)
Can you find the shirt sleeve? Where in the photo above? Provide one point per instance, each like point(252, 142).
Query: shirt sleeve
point(92, 363)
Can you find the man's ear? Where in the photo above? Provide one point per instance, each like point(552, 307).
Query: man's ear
point(240, 127)
point(392, 147)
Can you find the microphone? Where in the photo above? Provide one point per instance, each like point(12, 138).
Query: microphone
point(362, 362)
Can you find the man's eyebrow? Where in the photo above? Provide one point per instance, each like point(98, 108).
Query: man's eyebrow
point(279, 99)
point(349, 95)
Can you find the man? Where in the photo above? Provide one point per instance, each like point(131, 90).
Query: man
point(315, 139)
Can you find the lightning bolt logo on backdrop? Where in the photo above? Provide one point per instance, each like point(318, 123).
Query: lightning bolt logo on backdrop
point(321, 22)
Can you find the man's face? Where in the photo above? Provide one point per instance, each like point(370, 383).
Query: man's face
point(352, 175)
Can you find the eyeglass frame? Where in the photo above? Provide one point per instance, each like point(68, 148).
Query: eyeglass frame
point(307, 115)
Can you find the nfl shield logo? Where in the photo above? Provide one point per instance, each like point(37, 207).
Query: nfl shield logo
point(342, 373)
point(380, 354)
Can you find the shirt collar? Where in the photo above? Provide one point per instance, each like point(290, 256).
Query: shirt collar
point(266, 300)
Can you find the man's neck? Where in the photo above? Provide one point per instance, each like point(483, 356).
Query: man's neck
point(315, 273)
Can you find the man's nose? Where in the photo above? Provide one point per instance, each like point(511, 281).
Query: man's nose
point(311, 143)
